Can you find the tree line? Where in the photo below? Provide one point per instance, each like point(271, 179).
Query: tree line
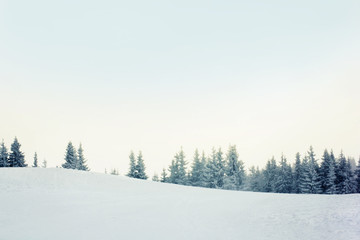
point(74, 159)
point(332, 175)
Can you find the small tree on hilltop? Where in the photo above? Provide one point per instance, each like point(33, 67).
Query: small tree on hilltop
point(70, 157)
point(81, 163)
point(35, 164)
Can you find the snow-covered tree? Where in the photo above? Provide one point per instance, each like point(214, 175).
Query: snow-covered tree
point(235, 172)
point(164, 177)
point(357, 176)
point(140, 167)
point(71, 158)
point(197, 173)
point(270, 175)
point(44, 163)
point(345, 183)
point(178, 169)
point(132, 168)
point(297, 174)
point(156, 178)
point(81, 163)
point(16, 157)
point(310, 180)
point(35, 164)
point(283, 180)
point(255, 180)
point(327, 174)
point(4, 156)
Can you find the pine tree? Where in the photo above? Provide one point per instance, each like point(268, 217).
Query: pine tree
point(283, 181)
point(255, 181)
point(114, 172)
point(270, 174)
point(235, 174)
point(344, 176)
point(313, 176)
point(81, 163)
point(140, 167)
point(132, 169)
point(164, 177)
point(357, 174)
point(35, 160)
point(327, 174)
point(44, 163)
point(212, 171)
point(178, 169)
point(155, 178)
point(4, 156)
point(16, 157)
point(297, 174)
point(196, 177)
point(71, 160)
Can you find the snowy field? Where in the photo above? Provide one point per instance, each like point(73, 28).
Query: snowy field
point(44, 204)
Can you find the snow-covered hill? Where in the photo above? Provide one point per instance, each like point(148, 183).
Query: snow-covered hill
point(65, 204)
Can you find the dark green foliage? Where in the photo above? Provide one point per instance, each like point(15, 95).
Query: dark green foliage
point(71, 158)
point(16, 157)
point(4, 156)
point(345, 182)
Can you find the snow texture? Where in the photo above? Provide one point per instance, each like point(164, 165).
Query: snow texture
point(44, 204)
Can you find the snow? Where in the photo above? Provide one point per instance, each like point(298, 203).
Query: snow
point(55, 204)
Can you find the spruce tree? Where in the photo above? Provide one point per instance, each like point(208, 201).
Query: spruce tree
point(4, 156)
point(283, 182)
point(344, 176)
point(212, 171)
point(178, 169)
point(255, 181)
point(357, 175)
point(44, 163)
point(314, 185)
point(132, 168)
point(197, 171)
point(71, 160)
point(327, 174)
point(164, 177)
point(140, 167)
point(35, 164)
point(155, 178)
point(81, 163)
point(270, 174)
point(16, 157)
point(297, 174)
point(235, 174)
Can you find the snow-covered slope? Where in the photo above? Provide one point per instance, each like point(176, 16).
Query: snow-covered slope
point(65, 204)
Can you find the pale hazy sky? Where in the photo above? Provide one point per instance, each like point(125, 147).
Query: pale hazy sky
point(268, 76)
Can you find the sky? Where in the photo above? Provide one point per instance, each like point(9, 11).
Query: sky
point(271, 77)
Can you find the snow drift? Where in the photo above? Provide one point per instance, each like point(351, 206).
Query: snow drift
point(53, 204)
